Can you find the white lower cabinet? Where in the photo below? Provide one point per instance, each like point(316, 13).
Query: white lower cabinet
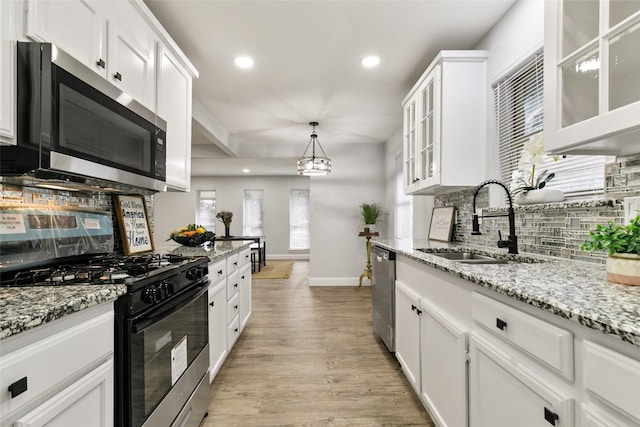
point(229, 305)
point(217, 328)
point(612, 380)
point(408, 333)
point(480, 359)
point(503, 392)
point(88, 399)
point(61, 373)
point(443, 344)
point(245, 295)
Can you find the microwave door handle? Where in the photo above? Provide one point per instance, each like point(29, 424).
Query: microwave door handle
point(143, 321)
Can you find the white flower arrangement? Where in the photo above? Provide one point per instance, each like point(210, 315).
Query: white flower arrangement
point(524, 178)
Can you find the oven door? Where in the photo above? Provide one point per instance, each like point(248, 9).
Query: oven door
point(164, 344)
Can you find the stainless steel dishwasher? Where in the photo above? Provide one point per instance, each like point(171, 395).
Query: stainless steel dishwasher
point(383, 295)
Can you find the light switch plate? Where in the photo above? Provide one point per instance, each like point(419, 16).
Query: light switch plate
point(631, 208)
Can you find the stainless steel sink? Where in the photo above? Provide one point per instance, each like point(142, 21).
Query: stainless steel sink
point(469, 258)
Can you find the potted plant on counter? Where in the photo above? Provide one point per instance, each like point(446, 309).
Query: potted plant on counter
point(526, 186)
point(623, 244)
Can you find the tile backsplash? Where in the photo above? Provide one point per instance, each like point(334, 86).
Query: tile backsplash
point(17, 195)
point(554, 229)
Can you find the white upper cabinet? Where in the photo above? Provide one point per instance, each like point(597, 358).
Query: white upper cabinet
point(174, 106)
point(112, 42)
point(592, 90)
point(7, 73)
point(445, 125)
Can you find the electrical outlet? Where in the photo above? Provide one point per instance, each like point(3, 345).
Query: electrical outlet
point(631, 208)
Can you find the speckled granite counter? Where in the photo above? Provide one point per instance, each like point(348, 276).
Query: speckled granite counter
point(25, 308)
point(574, 290)
point(215, 252)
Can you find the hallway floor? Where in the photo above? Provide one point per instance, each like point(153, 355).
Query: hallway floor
point(309, 357)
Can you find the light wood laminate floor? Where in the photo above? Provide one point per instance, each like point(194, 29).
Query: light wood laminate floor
point(309, 357)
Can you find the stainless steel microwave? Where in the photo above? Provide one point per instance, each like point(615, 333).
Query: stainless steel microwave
point(76, 129)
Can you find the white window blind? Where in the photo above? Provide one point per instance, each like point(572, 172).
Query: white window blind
point(252, 213)
point(299, 234)
point(403, 206)
point(206, 214)
point(519, 115)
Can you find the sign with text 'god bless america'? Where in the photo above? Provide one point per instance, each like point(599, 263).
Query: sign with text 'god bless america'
point(133, 221)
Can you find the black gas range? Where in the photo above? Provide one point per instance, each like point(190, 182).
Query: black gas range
point(161, 347)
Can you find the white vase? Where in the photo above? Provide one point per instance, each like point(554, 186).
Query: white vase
point(624, 268)
point(539, 196)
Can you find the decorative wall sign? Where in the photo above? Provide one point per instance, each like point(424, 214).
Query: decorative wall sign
point(442, 223)
point(133, 223)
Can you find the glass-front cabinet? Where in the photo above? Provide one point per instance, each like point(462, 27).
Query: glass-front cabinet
point(444, 126)
point(592, 76)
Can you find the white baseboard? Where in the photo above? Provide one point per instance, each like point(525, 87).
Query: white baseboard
point(337, 281)
point(286, 257)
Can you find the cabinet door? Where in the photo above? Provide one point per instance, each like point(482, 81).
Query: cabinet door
point(217, 329)
point(408, 334)
point(410, 145)
point(89, 399)
point(505, 393)
point(174, 106)
point(131, 65)
point(245, 295)
point(7, 72)
point(429, 130)
point(592, 99)
point(75, 26)
point(443, 366)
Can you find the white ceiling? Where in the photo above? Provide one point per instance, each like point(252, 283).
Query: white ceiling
point(307, 68)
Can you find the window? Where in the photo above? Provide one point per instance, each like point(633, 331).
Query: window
point(299, 219)
point(252, 213)
point(403, 206)
point(206, 214)
point(519, 114)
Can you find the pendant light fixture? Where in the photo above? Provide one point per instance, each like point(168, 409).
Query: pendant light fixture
point(314, 165)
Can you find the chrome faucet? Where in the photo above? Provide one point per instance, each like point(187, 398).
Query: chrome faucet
point(512, 239)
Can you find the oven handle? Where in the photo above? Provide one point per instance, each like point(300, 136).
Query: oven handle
point(143, 321)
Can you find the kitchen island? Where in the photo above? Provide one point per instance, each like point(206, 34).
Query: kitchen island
point(535, 340)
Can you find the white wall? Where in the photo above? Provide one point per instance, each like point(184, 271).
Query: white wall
point(338, 255)
point(173, 209)
point(518, 35)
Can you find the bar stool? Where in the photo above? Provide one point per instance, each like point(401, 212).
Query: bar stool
point(256, 260)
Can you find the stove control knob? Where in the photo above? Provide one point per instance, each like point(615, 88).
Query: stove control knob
point(167, 288)
point(192, 274)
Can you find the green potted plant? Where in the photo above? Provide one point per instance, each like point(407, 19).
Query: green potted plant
point(622, 242)
point(371, 212)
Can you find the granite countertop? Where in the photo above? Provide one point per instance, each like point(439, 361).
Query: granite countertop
point(577, 291)
point(214, 252)
point(24, 308)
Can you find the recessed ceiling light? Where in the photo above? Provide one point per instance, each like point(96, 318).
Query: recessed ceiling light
point(370, 61)
point(244, 62)
point(246, 170)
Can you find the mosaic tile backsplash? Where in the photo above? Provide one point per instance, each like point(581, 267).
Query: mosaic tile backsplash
point(554, 229)
point(12, 195)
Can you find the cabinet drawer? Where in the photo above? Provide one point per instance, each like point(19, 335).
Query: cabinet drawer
point(233, 331)
point(217, 271)
point(613, 378)
point(544, 341)
point(232, 263)
point(232, 285)
point(244, 257)
point(233, 307)
point(54, 361)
